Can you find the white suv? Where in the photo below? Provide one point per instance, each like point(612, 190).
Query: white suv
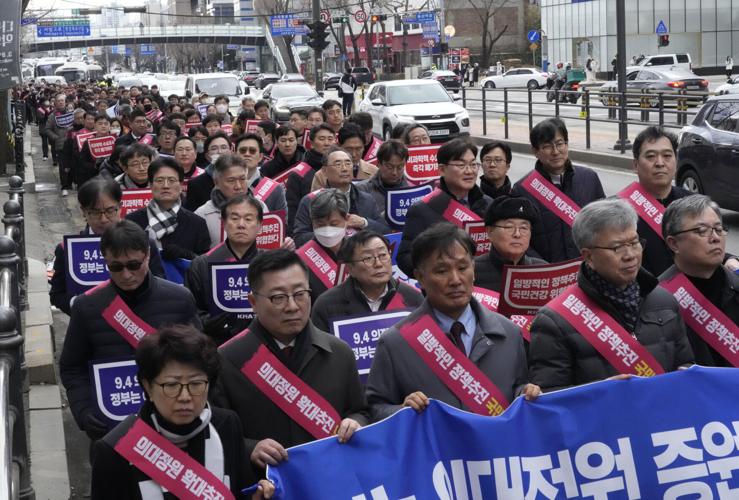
point(421, 101)
point(667, 61)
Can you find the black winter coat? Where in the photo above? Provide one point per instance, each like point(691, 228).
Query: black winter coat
point(188, 240)
point(347, 300)
point(489, 188)
point(552, 239)
point(560, 357)
point(656, 257)
point(423, 215)
point(90, 338)
point(279, 163)
point(114, 478)
point(728, 303)
point(296, 187)
point(198, 190)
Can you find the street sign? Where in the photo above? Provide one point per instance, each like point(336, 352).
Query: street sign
point(533, 46)
point(147, 50)
point(29, 20)
point(360, 16)
point(63, 28)
point(533, 36)
point(426, 17)
point(288, 24)
point(661, 28)
point(326, 16)
point(430, 31)
point(232, 46)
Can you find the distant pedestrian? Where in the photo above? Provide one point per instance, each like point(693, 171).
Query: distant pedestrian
point(729, 67)
point(475, 75)
point(347, 87)
point(614, 64)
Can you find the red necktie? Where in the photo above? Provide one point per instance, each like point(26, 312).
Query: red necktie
point(455, 333)
point(287, 351)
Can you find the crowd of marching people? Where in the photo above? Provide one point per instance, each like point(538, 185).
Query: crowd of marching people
point(234, 249)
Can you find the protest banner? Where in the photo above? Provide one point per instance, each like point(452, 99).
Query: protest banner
point(272, 234)
point(605, 440)
point(117, 390)
point(134, 199)
point(82, 137)
point(101, 147)
point(85, 266)
point(647, 207)
point(478, 233)
point(399, 200)
point(526, 289)
point(230, 288)
point(421, 165)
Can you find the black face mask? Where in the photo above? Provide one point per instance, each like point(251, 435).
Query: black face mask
point(147, 107)
point(78, 126)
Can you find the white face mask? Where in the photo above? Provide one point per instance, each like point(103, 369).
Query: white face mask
point(115, 131)
point(221, 108)
point(199, 147)
point(214, 158)
point(329, 236)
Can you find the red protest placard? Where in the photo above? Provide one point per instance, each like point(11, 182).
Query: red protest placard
point(272, 234)
point(82, 138)
point(306, 140)
point(251, 126)
point(421, 165)
point(101, 147)
point(227, 129)
point(527, 288)
point(476, 230)
point(189, 125)
point(134, 199)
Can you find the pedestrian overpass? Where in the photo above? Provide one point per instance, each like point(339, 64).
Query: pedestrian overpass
point(129, 35)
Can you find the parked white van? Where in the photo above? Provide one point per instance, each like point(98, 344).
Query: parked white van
point(667, 61)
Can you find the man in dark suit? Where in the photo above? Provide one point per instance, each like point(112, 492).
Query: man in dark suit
point(283, 334)
point(179, 233)
point(139, 126)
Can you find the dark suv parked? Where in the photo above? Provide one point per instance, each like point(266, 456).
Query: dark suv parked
point(708, 153)
point(363, 75)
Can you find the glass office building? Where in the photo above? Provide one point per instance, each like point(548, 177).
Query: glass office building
point(706, 29)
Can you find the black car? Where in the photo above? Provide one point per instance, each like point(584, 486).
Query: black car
point(448, 79)
point(363, 75)
point(331, 81)
point(265, 79)
point(285, 97)
point(708, 152)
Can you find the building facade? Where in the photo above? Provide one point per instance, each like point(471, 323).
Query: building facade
point(706, 29)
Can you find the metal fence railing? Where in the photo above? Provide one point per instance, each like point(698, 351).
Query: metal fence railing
point(668, 109)
point(14, 458)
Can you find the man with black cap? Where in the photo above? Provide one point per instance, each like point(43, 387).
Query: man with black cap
point(509, 223)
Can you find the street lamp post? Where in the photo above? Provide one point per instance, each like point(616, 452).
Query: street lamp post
point(623, 142)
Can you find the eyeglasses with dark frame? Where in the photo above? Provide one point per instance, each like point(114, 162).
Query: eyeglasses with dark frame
point(282, 299)
point(174, 389)
point(383, 257)
point(109, 212)
point(704, 230)
point(622, 248)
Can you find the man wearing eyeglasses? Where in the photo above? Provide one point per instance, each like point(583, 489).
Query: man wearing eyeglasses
point(496, 162)
point(109, 321)
point(694, 231)
point(139, 130)
point(509, 223)
point(282, 338)
point(351, 139)
point(370, 287)
point(135, 162)
point(553, 180)
point(168, 133)
point(615, 303)
point(179, 233)
point(457, 199)
point(250, 148)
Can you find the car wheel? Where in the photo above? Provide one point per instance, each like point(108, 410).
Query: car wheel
point(690, 181)
point(532, 85)
point(489, 85)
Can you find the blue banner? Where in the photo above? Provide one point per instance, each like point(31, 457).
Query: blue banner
point(175, 270)
point(394, 240)
point(117, 390)
point(86, 266)
point(670, 436)
point(65, 120)
point(229, 289)
point(398, 201)
point(362, 332)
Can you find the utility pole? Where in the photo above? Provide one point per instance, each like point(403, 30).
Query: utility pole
point(442, 35)
point(623, 142)
point(317, 61)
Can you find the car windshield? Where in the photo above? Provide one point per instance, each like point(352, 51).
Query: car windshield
point(416, 94)
point(217, 86)
point(279, 91)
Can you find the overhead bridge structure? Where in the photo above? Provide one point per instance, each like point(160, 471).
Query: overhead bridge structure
point(198, 33)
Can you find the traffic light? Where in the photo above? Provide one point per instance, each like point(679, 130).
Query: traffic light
point(377, 18)
point(664, 41)
point(340, 20)
point(317, 36)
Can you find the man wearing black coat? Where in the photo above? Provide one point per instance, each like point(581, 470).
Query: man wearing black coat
point(199, 188)
point(281, 300)
point(611, 276)
point(139, 126)
point(549, 141)
point(370, 286)
point(509, 223)
point(138, 300)
point(693, 229)
point(391, 158)
point(178, 232)
point(458, 183)
point(289, 152)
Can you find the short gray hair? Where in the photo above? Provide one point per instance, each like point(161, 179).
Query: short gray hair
point(611, 213)
point(224, 162)
point(333, 149)
point(690, 206)
point(327, 202)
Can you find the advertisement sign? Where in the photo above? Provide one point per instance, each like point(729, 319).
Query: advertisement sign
point(10, 37)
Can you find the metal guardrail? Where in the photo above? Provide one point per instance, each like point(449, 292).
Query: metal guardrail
point(15, 480)
point(671, 109)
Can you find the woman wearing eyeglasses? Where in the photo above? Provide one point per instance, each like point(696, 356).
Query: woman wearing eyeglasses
point(176, 436)
point(100, 201)
point(509, 223)
point(110, 320)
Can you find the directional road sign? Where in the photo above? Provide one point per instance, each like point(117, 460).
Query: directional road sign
point(533, 36)
point(661, 28)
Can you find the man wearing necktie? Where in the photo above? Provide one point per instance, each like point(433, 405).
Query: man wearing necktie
point(442, 260)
